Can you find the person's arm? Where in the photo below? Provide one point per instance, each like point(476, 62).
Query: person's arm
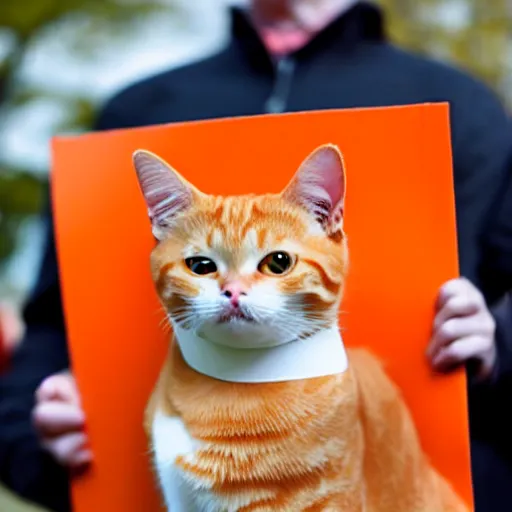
point(497, 271)
point(482, 148)
point(502, 313)
point(25, 466)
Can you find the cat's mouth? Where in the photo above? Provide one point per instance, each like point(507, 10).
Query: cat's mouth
point(234, 315)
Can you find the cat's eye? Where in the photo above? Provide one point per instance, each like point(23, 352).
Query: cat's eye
point(200, 265)
point(275, 263)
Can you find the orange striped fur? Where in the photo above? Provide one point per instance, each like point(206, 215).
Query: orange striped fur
point(338, 443)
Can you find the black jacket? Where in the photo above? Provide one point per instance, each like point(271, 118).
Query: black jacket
point(349, 64)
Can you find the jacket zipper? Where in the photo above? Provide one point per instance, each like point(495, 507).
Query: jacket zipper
point(278, 100)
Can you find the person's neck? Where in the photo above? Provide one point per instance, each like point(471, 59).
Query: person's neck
point(286, 26)
point(319, 355)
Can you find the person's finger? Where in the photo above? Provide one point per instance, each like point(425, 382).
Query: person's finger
point(84, 460)
point(59, 387)
point(457, 287)
point(55, 418)
point(455, 329)
point(70, 449)
point(448, 290)
point(459, 352)
point(81, 458)
point(457, 306)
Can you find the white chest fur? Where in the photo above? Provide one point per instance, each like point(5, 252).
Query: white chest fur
point(171, 440)
point(322, 354)
point(182, 492)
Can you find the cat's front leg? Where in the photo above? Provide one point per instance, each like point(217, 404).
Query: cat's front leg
point(170, 440)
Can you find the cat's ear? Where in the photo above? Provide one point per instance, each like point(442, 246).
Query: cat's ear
point(166, 192)
point(319, 186)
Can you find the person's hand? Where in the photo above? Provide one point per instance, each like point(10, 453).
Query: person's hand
point(59, 421)
point(463, 329)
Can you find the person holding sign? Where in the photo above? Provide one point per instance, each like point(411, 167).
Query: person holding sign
point(290, 56)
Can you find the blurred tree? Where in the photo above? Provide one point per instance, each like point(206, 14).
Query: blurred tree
point(23, 25)
point(473, 34)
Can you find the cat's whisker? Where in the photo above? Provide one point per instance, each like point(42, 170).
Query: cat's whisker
point(166, 329)
point(181, 317)
point(295, 315)
point(163, 321)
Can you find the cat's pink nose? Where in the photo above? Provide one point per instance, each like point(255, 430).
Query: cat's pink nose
point(233, 291)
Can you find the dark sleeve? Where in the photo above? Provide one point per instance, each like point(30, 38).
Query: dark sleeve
point(502, 313)
point(490, 418)
point(482, 148)
point(498, 266)
point(24, 467)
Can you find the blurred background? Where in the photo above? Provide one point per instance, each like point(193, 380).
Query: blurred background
point(61, 59)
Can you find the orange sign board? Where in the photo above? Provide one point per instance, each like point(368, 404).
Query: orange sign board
point(400, 221)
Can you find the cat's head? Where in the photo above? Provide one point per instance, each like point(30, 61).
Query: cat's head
point(249, 271)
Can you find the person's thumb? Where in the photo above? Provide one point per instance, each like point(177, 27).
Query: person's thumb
point(59, 387)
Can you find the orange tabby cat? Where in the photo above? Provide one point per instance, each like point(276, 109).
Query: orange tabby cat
point(252, 279)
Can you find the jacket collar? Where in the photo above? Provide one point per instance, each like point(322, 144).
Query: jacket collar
point(363, 22)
